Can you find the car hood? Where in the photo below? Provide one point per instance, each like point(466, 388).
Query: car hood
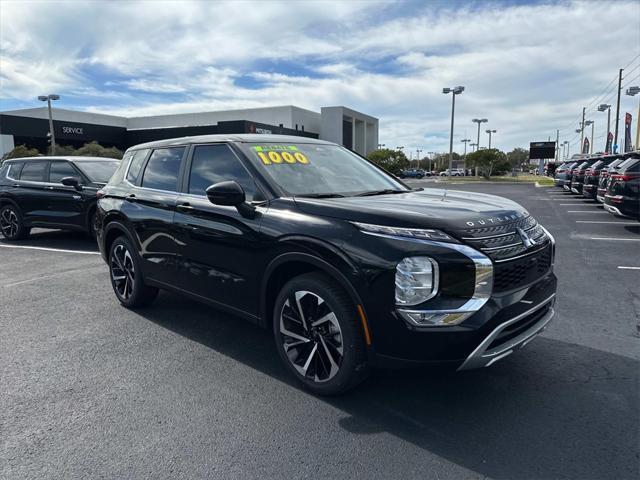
point(448, 210)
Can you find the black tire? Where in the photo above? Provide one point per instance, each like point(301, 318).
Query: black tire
point(126, 278)
point(11, 223)
point(319, 294)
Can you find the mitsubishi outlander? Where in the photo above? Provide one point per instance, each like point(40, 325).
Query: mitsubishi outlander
point(348, 266)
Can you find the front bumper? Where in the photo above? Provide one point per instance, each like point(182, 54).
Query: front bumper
point(511, 335)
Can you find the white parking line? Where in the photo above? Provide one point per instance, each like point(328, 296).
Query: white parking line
point(607, 222)
point(629, 268)
point(81, 252)
point(572, 204)
point(616, 239)
point(586, 211)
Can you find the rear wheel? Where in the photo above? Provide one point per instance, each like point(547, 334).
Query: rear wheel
point(126, 275)
point(318, 335)
point(11, 224)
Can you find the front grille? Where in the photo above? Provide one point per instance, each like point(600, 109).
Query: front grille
point(516, 263)
point(521, 271)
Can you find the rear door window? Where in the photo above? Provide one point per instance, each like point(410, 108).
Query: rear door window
point(60, 170)
point(163, 168)
point(14, 170)
point(33, 171)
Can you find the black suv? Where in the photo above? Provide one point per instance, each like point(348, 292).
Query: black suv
point(51, 192)
point(347, 265)
point(592, 175)
point(623, 189)
point(576, 179)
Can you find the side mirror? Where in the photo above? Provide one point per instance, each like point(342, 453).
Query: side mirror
point(226, 193)
point(71, 182)
point(230, 193)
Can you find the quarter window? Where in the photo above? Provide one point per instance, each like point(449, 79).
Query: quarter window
point(136, 165)
point(217, 163)
point(162, 169)
point(33, 171)
point(14, 170)
point(60, 170)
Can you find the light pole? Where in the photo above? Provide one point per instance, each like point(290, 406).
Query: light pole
point(602, 108)
point(453, 91)
point(380, 145)
point(430, 156)
point(464, 157)
point(418, 152)
point(566, 142)
point(48, 98)
point(490, 132)
point(586, 124)
point(633, 91)
point(479, 121)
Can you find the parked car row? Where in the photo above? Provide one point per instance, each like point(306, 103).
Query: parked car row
point(613, 180)
point(348, 267)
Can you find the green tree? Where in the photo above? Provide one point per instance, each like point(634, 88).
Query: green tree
point(391, 160)
point(518, 157)
point(20, 151)
point(65, 150)
point(489, 162)
point(94, 149)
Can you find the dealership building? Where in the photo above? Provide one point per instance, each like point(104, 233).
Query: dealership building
point(354, 130)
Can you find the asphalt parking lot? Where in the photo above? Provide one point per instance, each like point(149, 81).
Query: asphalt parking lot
point(89, 389)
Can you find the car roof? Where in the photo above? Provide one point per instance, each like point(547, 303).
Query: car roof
point(70, 158)
point(238, 138)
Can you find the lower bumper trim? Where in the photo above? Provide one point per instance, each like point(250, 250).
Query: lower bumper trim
point(483, 355)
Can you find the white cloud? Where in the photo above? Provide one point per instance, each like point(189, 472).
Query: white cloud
point(529, 69)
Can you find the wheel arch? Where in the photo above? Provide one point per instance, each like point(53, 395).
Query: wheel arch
point(292, 264)
point(114, 227)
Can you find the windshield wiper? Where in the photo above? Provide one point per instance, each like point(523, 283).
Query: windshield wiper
point(381, 192)
point(321, 195)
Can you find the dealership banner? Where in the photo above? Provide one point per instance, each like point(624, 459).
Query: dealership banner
point(585, 147)
point(607, 149)
point(627, 132)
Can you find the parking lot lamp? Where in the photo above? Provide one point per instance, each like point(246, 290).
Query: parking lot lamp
point(453, 91)
point(479, 121)
point(490, 132)
point(464, 157)
point(380, 145)
point(602, 108)
point(418, 152)
point(566, 142)
point(586, 124)
point(633, 91)
point(48, 98)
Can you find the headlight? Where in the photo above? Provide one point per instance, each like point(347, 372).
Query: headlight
point(416, 280)
point(418, 233)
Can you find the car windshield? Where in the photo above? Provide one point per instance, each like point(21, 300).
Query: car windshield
point(99, 171)
point(317, 170)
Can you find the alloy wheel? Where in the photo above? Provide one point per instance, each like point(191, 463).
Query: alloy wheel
point(9, 223)
point(311, 336)
point(122, 271)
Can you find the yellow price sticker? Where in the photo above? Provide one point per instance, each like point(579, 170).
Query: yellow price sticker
point(279, 157)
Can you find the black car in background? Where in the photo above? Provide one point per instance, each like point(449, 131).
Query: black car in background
point(51, 192)
point(576, 178)
point(345, 264)
point(592, 175)
point(605, 175)
point(623, 189)
point(562, 174)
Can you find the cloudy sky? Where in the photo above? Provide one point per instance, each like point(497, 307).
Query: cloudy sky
point(527, 66)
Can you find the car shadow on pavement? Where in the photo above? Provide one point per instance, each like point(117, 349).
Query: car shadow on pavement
point(554, 410)
point(57, 239)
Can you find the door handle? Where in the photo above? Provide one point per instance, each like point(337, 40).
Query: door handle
point(15, 185)
point(130, 198)
point(47, 187)
point(185, 207)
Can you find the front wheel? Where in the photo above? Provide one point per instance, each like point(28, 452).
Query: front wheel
point(11, 224)
point(126, 275)
point(318, 335)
